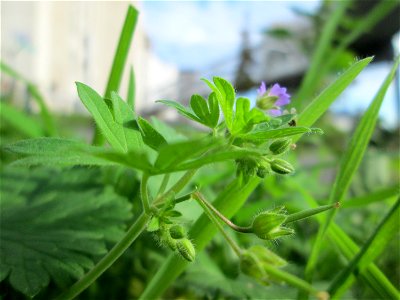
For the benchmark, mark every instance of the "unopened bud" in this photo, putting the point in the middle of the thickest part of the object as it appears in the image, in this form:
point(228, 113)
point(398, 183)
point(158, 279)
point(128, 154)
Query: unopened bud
point(281, 166)
point(177, 232)
point(280, 146)
point(266, 102)
point(253, 263)
point(263, 169)
point(186, 249)
point(268, 226)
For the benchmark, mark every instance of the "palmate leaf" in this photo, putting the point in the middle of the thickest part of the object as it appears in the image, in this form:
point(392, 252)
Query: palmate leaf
point(54, 223)
point(278, 133)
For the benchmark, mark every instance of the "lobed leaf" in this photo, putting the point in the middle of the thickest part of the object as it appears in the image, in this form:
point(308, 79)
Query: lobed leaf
point(151, 136)
point(60, 204)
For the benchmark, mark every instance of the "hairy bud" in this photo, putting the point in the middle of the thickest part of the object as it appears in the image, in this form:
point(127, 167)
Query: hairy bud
point(280, 146)
point(186, 249)
point(268, 225)
point(177, 232)
point(281, 166)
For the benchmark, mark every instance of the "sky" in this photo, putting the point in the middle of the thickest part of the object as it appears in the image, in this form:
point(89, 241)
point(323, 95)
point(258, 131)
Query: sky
point(194, 35)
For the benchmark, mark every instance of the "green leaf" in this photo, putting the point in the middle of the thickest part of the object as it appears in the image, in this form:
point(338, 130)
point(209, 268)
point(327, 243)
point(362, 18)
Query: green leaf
point(374, 246)
point(379, 195)
point(126, 118)
point(63, 152)
point(154, 224)
point(103, 117)
point(151, 137)
point(47, 225)
point(200, 108)
point(350, 162)
point(214, 110)
point(278, 133)
point(181, 109)
point(173, 154)
point(21, 121)
point(225, 94)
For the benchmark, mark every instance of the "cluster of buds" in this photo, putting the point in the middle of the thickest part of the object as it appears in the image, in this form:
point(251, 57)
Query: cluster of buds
point(171, 234)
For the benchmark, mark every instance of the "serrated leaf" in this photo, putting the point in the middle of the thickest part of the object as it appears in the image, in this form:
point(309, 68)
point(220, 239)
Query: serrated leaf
point(150, 135)
point(225, 94)
point(63, 152)
point(49, 229)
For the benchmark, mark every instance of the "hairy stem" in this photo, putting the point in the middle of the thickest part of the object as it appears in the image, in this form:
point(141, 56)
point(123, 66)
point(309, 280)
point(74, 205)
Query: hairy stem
point(228, 222)
point(106, 262)
point(144, 194)
point(197, 196)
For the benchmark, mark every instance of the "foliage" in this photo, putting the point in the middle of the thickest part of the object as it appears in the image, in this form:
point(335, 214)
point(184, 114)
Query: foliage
point(65, 203)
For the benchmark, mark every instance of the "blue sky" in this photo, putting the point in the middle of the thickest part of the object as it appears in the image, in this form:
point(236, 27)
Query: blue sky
point(194, 35)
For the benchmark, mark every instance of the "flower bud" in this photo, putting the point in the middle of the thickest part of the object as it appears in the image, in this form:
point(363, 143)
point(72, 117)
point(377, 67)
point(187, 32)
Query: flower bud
point(281, 166)
point(186, 249)
point(268, 226)
point(177, 232)
point(254, 260)
point(166, 239)
point(266, 102)
point(247, 167)
point(280, 146)
point(263, 169)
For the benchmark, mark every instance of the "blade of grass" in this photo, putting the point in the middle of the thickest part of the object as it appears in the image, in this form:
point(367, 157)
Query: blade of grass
point(20, 121)
point(372, 275)
point(349, 164)
point(131, 89)
point(319, 55)
point(372, 248)
point(324, 100)
point(120, 57)
point(376, 196)
point(48, 121)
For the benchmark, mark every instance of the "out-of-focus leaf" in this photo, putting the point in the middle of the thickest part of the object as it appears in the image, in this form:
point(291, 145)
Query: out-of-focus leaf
point(278, 133)
point(130, 99)
point(151, 137)
point(47, 226)
point(181, 109)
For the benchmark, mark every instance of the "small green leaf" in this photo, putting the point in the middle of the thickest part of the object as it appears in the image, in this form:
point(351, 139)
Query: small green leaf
point(102, 116)
point(199, 107)
point(151, 137)
point(225, 94)
point(214, 110)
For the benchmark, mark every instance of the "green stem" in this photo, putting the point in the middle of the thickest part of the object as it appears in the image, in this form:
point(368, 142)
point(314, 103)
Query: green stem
point(200, 199)
point(144, 194)
point(106, 262)
point(164, 184)
point(310, 212)
point(221, 216)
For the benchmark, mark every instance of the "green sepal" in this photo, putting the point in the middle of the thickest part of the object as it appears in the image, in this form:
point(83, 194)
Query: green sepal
point(154, 225)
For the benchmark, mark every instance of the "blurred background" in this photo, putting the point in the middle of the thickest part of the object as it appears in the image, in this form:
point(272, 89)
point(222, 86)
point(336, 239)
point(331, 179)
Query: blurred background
point(54, 44)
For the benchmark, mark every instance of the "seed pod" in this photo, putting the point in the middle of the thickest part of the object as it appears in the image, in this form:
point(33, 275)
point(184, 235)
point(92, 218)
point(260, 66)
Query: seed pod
point(186, 249)
point(266, 102)
point(266, 223)
point(281, 166)
point(166, 239)
point(177, 232)
point(280, 146)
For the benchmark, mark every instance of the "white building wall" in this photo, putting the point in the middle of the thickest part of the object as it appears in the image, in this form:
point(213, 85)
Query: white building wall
point(54, 44)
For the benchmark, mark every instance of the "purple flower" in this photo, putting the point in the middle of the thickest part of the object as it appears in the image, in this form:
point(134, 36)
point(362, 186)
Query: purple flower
point(272, 99)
